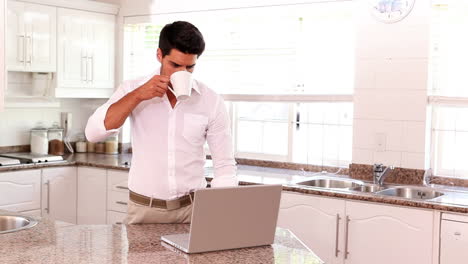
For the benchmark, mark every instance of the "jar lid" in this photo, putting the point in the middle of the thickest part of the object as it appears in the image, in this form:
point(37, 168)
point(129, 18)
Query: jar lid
point(55, 127)
point(39, 127)
point(80, 137)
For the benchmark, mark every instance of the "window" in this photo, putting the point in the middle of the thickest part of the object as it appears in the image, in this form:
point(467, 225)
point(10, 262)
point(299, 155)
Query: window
point(448, 92)
point(287, 72)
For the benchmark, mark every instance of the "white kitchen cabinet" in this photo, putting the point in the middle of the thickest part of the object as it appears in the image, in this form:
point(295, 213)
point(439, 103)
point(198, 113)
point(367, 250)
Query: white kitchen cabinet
point(20, 190)
point(86, 44)
point(92, 195)
point(117, 191)
point(387, 234)
point(453, 239)
point(115, 217)
point(369, 233)
point(59, 193)
point(32, 213)
point(316, 221)
point(31, 37)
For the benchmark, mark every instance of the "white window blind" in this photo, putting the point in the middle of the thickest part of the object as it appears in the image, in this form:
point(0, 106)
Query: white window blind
point(304, 50)
point(449, 89)
point(450, 52)
point(297, 49)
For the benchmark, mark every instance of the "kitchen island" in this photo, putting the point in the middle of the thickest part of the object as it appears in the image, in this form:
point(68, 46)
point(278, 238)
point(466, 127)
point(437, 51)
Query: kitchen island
point(57, 242)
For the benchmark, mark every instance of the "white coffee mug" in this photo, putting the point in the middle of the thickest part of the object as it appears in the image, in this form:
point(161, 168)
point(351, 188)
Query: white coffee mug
point(181, 84)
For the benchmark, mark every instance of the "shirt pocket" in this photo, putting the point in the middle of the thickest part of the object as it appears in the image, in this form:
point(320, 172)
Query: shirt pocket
point(195, 128)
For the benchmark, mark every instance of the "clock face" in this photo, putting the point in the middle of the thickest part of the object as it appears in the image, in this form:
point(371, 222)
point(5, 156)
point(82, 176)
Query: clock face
point(390, 11)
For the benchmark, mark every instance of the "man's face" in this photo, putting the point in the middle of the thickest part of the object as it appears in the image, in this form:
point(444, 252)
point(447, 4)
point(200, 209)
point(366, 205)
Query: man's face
point(176, 61)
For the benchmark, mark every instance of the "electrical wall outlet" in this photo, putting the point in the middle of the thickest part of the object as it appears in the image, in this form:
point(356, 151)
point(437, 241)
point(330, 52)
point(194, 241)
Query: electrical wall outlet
point(380, 142)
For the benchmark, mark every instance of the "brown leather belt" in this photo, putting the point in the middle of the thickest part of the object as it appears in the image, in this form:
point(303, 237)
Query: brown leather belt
point(164, 204)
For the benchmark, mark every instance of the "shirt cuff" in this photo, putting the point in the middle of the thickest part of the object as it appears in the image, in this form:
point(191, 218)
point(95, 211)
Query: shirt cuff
point(95, 129)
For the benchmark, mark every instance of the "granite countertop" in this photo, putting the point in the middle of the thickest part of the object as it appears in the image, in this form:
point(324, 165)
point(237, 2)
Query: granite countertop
point(456, 199)
point(55, 242)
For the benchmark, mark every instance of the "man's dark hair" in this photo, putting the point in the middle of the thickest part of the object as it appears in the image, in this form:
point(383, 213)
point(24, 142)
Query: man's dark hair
point(182, 36)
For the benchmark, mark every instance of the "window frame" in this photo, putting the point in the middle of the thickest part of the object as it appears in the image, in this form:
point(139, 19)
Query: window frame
point(434, 102)
point(288, 98)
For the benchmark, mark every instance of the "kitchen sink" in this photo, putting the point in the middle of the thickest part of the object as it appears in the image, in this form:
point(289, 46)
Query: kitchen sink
point(411, 193)
point(372, 188)
point(331, 183)
point(10, 223)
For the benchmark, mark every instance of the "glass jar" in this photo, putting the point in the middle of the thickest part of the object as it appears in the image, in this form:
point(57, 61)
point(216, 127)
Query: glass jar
point(81, 143)
point(55, 135)
point(39, 141)
point(91, 146)
point(112, 144)
point(100, 147)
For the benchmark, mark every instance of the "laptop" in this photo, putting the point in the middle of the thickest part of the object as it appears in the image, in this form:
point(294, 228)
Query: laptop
point(230, 218)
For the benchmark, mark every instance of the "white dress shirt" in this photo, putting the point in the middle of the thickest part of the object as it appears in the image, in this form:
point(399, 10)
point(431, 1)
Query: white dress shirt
point(168, 155)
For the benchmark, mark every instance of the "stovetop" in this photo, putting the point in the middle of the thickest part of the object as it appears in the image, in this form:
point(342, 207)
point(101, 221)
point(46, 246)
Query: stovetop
point(9, 162)
point(28, 158)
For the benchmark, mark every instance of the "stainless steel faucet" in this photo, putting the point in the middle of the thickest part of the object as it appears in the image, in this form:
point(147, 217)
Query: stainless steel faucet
point(427, 178)
point(380, 173)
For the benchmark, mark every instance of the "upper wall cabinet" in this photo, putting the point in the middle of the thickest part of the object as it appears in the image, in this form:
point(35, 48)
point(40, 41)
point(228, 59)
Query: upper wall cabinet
point(31, 37)
point(86, 44)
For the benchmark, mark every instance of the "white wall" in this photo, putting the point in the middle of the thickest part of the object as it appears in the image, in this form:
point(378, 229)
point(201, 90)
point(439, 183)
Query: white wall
point(391, 88)
point(16, 123)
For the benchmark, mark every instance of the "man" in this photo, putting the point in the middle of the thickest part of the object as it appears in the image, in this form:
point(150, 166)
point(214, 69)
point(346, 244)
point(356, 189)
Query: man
point(168, 135)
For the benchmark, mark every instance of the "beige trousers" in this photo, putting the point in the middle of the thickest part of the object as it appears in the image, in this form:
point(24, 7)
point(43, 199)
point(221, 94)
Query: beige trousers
point(141, 214)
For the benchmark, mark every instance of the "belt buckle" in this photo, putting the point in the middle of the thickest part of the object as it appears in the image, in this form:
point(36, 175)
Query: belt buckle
point(173, 204)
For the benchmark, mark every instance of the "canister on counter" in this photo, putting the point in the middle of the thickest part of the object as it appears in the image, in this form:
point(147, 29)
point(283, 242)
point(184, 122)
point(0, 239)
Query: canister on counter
point(91, 147)
point(55, 135)
point(39, 140)
point(100, 147)
point(112, 144)
point(81, 143)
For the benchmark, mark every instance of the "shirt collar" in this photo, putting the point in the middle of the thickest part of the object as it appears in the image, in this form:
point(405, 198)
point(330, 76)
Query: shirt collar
point(194, 83)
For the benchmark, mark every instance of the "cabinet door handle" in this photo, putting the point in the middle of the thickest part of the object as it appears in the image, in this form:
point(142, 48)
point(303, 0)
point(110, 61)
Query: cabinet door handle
point(92, 68)
point(121, 187)
point(21, 51)
point(32, 49)
point(47, 209)
point(88, 68)
point(85, 71)
point(338, 218)
point(346, 237)
point(123, 203)
point(29, 49)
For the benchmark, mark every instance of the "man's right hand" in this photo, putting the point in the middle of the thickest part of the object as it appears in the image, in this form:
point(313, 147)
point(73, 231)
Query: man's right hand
point(155, 87)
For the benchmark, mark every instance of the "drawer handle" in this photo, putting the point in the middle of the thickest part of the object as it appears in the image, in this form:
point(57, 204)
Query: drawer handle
point(121, 187)
point(457, 233)
point(118, 223)
point(123, 203)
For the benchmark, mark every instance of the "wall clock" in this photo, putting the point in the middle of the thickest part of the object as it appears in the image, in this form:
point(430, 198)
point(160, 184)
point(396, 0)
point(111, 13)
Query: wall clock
point(390, 11)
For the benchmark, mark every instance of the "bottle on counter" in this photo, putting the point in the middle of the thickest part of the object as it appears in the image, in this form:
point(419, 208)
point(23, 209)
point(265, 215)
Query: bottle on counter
point(112, 144)
point(39, 141)
point(55, 135)
point(81, 145)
